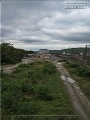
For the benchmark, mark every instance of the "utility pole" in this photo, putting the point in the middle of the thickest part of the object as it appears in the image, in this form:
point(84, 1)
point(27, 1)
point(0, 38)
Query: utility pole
point(87, 53)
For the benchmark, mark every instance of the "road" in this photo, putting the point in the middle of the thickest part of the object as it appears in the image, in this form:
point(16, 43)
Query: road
point(80, 102)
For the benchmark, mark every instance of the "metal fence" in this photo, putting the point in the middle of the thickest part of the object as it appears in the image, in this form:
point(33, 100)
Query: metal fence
point(44, 117)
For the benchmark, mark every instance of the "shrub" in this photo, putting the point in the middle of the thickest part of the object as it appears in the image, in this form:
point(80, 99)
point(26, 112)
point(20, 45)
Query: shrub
point(87, 72)
point(74, 65)
point(7, 99)
point(26, 87)
point(49, 69)
point(84, 72)
point(44, 93)
point(37, 73)
point(31, 88)
point(26, 98)
point(67, 62)
point(27, 108)
point(2, 74)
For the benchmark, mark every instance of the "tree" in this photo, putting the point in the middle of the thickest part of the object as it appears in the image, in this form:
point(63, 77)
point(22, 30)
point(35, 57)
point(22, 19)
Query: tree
point(9, 54)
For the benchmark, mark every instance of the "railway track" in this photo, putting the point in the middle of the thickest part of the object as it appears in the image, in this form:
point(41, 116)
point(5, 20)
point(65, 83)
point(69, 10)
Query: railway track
point(81, 61)
point(76, 59)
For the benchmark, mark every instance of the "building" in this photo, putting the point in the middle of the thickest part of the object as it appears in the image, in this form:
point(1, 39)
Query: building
point(44, 54)
point(43, 51)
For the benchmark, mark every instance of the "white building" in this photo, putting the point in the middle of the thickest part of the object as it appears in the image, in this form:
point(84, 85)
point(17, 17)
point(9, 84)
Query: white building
point(43, 51)
point(44, 54)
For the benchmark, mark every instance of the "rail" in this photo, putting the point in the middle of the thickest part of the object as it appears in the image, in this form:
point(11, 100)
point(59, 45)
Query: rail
point(81, 61)
point(45, 117)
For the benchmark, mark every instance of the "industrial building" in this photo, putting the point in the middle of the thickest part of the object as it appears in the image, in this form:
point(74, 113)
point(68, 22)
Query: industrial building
point(43, 51)
point(44, 54)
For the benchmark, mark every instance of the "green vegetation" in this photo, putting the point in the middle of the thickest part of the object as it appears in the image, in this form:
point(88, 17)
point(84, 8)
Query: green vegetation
point(34, 88)
point(11, 55)
point(81, 75)
point(69, 50)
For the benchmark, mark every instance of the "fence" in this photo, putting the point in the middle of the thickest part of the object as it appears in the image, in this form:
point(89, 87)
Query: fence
point(44, 117)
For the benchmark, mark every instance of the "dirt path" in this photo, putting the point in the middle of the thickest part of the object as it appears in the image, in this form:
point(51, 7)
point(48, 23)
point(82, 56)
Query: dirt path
point(11, 69)
point(80, 102)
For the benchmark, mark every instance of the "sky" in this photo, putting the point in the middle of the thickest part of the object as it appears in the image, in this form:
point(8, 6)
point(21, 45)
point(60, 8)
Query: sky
point(44, 24)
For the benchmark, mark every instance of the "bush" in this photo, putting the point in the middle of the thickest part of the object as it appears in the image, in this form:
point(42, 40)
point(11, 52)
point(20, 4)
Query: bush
point(26, 87)
point(67, 62)
point(7, 99)
point(44, 93)
point(87, 72)
point(84, 72)
point(49, 69)
point(35, 72)
point(27, 108)
point(35, 75)
point(74, 65)
point(31, 88)
point(2, 74)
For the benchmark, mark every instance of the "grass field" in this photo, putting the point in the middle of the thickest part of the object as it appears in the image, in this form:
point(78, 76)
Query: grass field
point(81, 74)
point(34, 89)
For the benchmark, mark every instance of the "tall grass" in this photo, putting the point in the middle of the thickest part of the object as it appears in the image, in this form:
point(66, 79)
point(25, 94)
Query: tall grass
point(34, 89)
point(81, 74)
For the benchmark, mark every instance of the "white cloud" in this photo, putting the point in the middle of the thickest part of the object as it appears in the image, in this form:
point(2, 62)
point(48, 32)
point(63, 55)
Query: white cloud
point(44, 24)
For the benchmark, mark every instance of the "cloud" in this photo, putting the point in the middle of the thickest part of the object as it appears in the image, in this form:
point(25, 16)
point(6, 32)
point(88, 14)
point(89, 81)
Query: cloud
point(44, 24)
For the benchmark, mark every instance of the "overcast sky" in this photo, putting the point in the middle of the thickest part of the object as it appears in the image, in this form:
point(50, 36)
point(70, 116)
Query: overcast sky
point(32, 25)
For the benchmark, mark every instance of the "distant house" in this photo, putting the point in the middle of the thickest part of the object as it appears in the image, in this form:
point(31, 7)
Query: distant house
point(44, 53)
